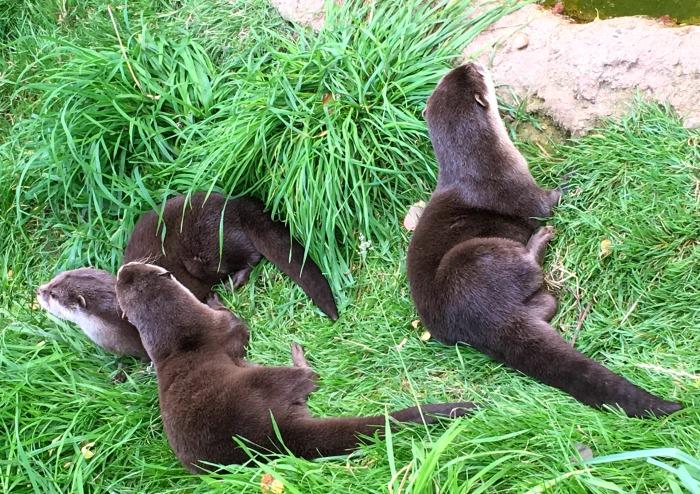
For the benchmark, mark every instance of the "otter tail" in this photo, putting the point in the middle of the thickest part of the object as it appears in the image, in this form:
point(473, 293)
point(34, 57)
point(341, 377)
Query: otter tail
point(310, 437)
point(272, 240)
point(542, 353)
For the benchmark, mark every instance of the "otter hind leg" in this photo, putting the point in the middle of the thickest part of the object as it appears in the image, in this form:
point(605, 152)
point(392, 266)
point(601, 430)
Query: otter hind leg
point(298, 357)
point(537, 245)
point(240, 277)
point(542, 305)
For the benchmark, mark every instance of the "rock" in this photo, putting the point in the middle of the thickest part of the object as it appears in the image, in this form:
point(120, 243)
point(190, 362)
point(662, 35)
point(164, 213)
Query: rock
point(305, 12)
point(578, 73)
point(692, 122)
point(520, 41)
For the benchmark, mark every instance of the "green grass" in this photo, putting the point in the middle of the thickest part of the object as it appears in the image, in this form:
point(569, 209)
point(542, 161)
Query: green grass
point(83, 151)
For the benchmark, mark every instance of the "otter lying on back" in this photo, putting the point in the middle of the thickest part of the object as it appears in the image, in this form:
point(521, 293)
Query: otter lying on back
point(474, 262)
point(209, 394)
point(194, 252)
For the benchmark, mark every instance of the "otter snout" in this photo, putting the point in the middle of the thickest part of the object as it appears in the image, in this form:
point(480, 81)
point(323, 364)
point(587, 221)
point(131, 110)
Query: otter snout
point(42, 296)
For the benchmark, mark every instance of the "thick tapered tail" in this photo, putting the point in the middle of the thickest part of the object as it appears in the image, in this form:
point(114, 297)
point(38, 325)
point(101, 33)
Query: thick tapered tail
point(540, 352)
point(272, 240)
point(310, 437)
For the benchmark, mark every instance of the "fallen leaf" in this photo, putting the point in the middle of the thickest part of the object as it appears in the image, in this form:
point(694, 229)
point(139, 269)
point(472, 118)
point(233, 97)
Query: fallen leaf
point(68, 464)
point(402, 344)
point(425, 336)
point(10, 274)
point(270, 485)
point(605, 248)
point(410, 222)
point(558, 8)
point(86, 451)
point(41, 343)
point(35, 305)
point(54, 441)
point(327, 98)
point(415, 323)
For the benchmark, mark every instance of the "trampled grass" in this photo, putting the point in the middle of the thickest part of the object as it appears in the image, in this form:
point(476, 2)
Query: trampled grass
point(88, 150)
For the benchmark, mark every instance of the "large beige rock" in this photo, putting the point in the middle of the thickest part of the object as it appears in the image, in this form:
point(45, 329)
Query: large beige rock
point(577, 73)
point(304, 12)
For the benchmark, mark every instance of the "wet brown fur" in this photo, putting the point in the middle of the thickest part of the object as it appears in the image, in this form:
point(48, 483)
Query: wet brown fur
point(208, 393)
point(474, 262)
point(192, 251)
point(88, 297)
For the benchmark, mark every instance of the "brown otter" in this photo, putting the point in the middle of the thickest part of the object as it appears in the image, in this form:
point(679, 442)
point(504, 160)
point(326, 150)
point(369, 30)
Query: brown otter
point(88, 298)
point(474, 262)
point(198, 257)
point(208, 393)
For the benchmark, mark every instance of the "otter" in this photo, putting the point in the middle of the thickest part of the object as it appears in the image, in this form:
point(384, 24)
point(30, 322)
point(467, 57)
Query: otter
point(88, 298)
point(475, 260)
point(209, 393)
point(199, 257)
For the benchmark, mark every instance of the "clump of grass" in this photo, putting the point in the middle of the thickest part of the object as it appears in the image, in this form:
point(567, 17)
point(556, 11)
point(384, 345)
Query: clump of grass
point(324, 127)
point(112, 126)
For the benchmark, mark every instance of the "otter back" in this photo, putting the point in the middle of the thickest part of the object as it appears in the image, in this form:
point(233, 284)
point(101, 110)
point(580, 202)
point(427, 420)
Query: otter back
point(188, 244)
point(474, 262)
point(191, 342)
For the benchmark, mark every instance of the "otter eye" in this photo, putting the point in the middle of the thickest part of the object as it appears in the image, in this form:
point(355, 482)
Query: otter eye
point(166, 274)
point(81, 301)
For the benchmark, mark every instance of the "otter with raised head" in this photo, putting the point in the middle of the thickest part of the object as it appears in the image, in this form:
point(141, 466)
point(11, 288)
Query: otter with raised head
point(88, 298)
point(199, 257)
point(208, 393)
point(474, 262)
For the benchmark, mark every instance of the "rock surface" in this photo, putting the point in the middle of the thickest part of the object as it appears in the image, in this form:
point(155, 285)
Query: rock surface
point(577, 73)
point(304, 12)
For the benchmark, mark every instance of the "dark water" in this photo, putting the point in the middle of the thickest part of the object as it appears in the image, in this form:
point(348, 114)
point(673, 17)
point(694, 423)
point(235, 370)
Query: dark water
point(682, 11)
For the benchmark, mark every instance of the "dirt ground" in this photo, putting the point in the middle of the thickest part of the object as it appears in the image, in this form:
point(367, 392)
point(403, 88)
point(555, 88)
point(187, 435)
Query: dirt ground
point(577, 73)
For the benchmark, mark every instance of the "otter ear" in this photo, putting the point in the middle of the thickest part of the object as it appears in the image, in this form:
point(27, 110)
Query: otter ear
point(81, 301)
point(481, 100)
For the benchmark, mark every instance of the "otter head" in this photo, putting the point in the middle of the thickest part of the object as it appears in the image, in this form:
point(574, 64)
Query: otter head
point(87, 297)
point(71, 295)
point(170, 319)
point(466, 90)
point(466, 131)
